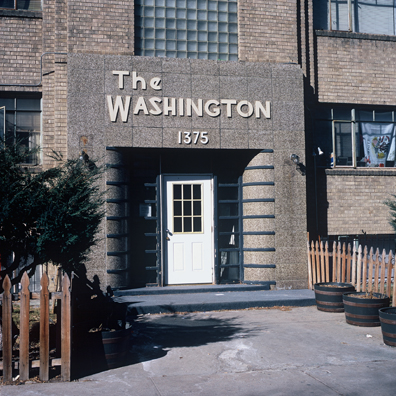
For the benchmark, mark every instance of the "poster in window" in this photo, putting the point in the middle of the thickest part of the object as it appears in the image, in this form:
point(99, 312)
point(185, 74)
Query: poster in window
point(378, 142)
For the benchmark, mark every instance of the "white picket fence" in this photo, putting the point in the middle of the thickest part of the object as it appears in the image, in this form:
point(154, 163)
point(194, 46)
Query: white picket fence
point(367, 270)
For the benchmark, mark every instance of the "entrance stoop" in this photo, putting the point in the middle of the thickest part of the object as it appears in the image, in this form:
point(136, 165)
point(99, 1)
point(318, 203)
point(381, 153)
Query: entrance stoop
point(205, 298)
point(190, 289)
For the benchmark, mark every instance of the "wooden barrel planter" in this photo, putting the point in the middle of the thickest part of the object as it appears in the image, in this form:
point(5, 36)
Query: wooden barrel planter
point(115, 345)
point(328, 295)
point(388, 325)
point(361, 310)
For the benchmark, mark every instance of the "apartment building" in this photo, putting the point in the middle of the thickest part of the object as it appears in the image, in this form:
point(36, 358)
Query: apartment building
point(351, 106)
point(229, 128)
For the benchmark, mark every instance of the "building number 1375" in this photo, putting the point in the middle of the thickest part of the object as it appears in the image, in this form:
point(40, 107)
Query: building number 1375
point(194, 137)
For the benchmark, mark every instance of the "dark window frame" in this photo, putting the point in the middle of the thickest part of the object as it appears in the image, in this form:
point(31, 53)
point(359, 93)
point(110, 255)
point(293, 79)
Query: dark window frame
point(361, 130)
point(353, 16)
point(21, 5)
point(13, 132)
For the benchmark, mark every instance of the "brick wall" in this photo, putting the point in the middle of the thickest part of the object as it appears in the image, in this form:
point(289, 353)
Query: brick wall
point(351, 69)
point(54, 79)
point(25, 37)
point(268, 31)
point(19, 62)
point(356, 201)
point(104, 27)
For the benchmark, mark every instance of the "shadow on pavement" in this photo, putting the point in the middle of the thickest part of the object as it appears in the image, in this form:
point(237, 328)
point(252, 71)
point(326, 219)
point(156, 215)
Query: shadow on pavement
point(152, 337)
point(106, 335)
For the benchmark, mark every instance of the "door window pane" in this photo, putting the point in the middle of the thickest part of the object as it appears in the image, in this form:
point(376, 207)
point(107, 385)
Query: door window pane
point(177, 191)
point(197, 224)
point(187, 224)
point(177, 224)
point(177, 209)
point(187, 208)
point(197, 208)
point(187, 191)
point(197, 191)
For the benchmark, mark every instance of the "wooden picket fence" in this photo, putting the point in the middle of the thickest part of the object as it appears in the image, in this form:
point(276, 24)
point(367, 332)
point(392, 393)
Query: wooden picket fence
point(23, 364)
point(367, 270)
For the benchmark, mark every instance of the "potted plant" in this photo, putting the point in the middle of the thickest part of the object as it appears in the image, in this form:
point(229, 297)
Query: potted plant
point(387, 316)
point(362, 308)
point(114, 332)
point(328, 295)
point(100, 331)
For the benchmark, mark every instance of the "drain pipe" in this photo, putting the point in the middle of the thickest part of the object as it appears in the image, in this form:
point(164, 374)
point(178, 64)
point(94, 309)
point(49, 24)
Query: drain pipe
point(41, 72)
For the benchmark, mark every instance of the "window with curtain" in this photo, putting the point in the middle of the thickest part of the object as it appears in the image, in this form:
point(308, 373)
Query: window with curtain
point(29, 5)
point(360, 16)
point(359, 137)
point(200, 29)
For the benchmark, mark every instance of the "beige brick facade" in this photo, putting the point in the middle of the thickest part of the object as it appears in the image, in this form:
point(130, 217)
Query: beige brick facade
point(339, 68)
point(356, 70)
point(23, 61)
point(20, 60)
point(104, 27)
point(268, 31)
point(356, 201)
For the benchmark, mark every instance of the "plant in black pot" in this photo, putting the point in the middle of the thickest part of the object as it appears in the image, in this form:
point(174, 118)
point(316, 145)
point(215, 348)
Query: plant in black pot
point(100, 331)
point(387, 317)
point(362, 308)
point(328, 295)
point(113, 329)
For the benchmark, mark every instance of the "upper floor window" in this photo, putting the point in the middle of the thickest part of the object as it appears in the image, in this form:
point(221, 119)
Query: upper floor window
point(22, 122)
point(29, 5)
point(199, 29)
point(359, 137)
point(361, 16)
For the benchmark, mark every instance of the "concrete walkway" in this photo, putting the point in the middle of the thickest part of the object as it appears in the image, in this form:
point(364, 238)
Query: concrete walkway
point(251, 352)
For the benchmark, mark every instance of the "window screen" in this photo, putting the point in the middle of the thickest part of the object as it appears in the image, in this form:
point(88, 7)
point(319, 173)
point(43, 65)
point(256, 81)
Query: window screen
point(199, 29)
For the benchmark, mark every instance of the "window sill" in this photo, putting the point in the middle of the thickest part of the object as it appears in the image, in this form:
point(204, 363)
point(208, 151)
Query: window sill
point(21, 14)
point(361, 172)
point(351, 35)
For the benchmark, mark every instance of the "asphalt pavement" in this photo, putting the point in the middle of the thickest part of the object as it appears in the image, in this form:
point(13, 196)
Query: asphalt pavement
point(248, 352)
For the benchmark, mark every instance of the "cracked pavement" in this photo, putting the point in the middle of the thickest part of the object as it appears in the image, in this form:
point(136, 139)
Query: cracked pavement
point(287, 351)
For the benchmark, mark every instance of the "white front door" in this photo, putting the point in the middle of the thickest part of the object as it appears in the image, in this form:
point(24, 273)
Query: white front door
point(188, 229)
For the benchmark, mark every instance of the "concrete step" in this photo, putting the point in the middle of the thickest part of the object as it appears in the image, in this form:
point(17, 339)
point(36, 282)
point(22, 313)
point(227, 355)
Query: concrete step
point(216, 300)
point(191, 289)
